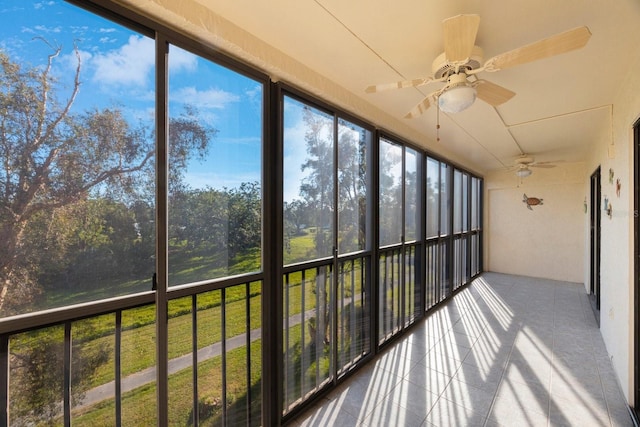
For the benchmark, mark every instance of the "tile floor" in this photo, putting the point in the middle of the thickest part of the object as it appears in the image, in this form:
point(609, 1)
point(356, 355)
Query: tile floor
point(506, 351)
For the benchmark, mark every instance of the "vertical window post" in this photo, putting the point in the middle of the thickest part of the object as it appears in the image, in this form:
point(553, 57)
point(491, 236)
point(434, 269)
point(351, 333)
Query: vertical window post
point(162, 271)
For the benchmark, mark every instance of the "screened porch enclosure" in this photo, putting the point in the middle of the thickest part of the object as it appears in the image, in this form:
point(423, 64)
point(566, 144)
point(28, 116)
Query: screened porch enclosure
point(191, 243)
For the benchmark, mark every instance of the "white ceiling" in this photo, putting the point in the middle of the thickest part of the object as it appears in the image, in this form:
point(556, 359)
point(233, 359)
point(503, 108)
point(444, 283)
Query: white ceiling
point(562, 105)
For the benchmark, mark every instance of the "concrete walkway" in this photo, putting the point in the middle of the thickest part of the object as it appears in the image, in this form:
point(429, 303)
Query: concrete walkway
point(146, 376)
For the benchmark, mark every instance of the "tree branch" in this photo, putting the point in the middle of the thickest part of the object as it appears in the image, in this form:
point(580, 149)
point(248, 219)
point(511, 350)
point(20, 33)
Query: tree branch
point(65, 112)
point(102, 177)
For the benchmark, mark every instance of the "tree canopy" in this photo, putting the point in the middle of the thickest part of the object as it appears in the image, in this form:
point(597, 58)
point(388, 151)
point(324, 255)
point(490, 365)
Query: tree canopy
point(54, 159)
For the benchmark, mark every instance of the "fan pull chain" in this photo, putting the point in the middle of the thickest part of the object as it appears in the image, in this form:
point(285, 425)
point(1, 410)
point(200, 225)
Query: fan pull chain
point(438, 119)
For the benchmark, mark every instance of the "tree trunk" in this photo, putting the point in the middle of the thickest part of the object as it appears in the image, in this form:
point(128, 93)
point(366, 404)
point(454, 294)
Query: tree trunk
point(3, 293)
point(11, 234)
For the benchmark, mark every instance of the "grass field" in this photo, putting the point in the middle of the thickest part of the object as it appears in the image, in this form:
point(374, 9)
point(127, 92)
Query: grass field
point(139, 405)
point(138, 346)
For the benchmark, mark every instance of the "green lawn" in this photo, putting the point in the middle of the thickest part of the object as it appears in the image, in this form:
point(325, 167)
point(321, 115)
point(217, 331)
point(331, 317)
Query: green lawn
point(138, 343)
point(299, 248)
point(139, 405)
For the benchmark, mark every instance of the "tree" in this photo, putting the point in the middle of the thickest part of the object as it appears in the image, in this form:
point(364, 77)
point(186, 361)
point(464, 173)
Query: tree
point(38, 370)
point(52, 158)
point(352, 189)
point(245, 213)
point(90, 242)
point(295, 216)
point(216, 226)
point(317, 187)
point(411, 208)
point(390, 193)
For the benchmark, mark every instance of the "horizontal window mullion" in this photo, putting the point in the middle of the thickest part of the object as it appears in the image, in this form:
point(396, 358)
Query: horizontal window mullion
point(180, 291)
point(40, 319)
point(307, 265)
point(354, 255)
point(388, 248)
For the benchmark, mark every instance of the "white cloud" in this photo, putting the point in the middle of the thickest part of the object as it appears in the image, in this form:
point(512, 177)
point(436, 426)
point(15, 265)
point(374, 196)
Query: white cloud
point(41, 5)
point(250, 141)
point(69, 63)
point(181, 60)
point(75, 29)
point(211, 98)
point(139, 115)
point(133, 63)
point(12, 9)
point(220, 179)
point(40, 29)
point(393, 155)
point(255, 93)
point(254, 96)
point(85, 58)
point(130, 65)
point(45, 29)
point(295, 151)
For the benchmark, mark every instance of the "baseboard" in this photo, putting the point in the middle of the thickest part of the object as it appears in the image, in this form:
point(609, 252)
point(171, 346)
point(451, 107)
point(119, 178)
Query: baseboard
point(594, 308)
point(634, 416)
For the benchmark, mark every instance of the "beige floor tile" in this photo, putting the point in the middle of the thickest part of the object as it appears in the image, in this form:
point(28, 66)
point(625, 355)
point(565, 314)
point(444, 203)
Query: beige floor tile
point(507, 351)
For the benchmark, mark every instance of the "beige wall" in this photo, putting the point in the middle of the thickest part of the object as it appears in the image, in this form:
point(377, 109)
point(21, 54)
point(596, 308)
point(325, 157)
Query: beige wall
point(546, 241)
point(617, 293)
point(552, 241)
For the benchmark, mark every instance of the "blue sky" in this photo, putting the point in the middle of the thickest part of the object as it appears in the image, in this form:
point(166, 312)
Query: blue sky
point(117, 69)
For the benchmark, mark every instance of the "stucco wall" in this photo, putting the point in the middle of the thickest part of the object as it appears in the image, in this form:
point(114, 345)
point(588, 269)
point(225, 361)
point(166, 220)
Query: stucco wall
point(617, 292)
point(552, 241)
point(546, 241)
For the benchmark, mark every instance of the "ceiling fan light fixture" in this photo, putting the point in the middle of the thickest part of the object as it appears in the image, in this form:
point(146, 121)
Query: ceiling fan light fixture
point(457, 99)
point(523, 172)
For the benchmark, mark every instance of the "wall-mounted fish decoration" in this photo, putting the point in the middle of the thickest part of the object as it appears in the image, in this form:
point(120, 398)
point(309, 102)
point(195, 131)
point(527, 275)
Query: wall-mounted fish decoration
point(531, 201)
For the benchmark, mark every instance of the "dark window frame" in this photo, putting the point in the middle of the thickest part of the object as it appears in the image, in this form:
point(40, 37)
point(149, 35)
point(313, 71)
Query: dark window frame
point(272, 270)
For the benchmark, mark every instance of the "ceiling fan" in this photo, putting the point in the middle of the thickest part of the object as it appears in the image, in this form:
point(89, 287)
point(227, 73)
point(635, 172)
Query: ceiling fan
point(462, 59)
point(524, 163)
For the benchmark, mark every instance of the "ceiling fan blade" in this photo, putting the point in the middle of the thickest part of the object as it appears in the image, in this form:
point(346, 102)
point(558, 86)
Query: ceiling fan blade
point(460, 36)
point(542, 165)
point(491, 93)
point(399, 85)
point(554, 45)
point(420, 108)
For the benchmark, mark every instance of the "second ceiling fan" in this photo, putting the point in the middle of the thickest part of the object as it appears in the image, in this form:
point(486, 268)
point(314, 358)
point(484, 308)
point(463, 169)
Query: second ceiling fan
point(524, 163)
point(462, 59)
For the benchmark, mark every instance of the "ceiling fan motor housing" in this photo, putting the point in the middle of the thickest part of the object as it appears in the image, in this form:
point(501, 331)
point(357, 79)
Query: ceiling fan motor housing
point(442, 67)
point(462, 58)
point(524, 160)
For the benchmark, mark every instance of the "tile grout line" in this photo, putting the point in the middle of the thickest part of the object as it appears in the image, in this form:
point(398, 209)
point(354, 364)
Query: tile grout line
point(504, 369)
point(585, 313)
point(553, 357)
point(566, 334)
point(604, 390)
